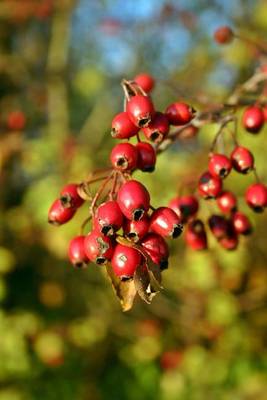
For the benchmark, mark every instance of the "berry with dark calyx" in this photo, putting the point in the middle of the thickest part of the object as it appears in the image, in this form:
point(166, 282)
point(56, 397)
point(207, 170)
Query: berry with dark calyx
point(219, 226)
point(157, 249)
point(158, 128)
point(227, 202)
point(195, 235)
point(123, 157)
point(69, 196)
point(133, 199)
point(242, 159)
point(229, 242)
point(125, 260)
point(122, 127)
point(108, 218)
point(241, 223)
point(146, 157)
point(256, 197)
point(58, 214)
point(140, 110)
point(99, 249)
point(76, 252)
point(223, 35)
point(179, 113)
point(136, 230)
point(253, 119)
point(219, 165)
point(145, 81)
point(209, 187)
point(184, 206)
point(165, 222)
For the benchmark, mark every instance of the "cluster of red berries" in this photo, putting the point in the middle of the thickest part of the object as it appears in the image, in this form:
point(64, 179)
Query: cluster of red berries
point(126, 230)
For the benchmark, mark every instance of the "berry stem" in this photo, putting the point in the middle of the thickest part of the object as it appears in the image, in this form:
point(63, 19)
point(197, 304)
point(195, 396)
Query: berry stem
point(253, 43)
point(85, 222)
point(114, 184)
point(100, 191)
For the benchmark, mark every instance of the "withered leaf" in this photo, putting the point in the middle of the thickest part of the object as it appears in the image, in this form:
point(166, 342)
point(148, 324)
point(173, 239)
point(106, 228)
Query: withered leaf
point(142, 282)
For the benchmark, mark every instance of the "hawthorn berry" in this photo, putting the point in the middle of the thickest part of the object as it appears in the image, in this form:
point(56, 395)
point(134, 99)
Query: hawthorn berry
point(146, 157)
point(133, 199)
point(219, 165)
point(98, 248)
point(158, 128)
point(16, 120)
point(123, 157)
point(229, 242)
point(58, 214)
point(195, 235)
point(125, 260)
point(165, 222)
point(242, 159)
point(253, 119)
point(219, 226)
point(76, 252)
point(157, 249)
point(122, 127)
point(256, 196)
point(69, 196)
point(140, 110)
point(209, 186)
point(108, 218)
point(223, 35)
point(145, 81)
point(136, 230)
point(184, 206)
point(227, 202)
point(241, 223)
point(179, 113)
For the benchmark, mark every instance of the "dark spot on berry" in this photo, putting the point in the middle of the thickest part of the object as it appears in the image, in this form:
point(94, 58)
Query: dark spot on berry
point(113, 132)
point(107, 230)
point(164, 264)
point(148, 169)
point(133, 236)
point(143, 122)
point(122, 162)
point(100, 260)
point(155, 136)
point(223, 172)
point(138, 214)
point(66, 201)
point(177, 230)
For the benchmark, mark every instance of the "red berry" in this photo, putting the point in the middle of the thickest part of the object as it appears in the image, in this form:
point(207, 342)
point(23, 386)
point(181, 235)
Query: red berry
point(256, 196)
point(209, 186)
point(195, 235)
point(157, 249)
point(16, 120)
point(171, 359)
point(140, 110)
point(123, 157)
point(242, 159)
point(108, 218)
point(76, 252)
point(229, 242)
point(184, 206)
point(136, 230)
point(146, 159)
point(98, 249)
point(219, 165)
point(69, 196)
point(227, 202)
point(188, 132)
point(158, 128)
point(58, 214)
point(253, 119)
point(125, 260)
point(241, 223)
point(179, 113)
point(145, 81)
point(122, 127)
point(223, 35)
point(133, 199)
point(219, 226)
point(165, 222)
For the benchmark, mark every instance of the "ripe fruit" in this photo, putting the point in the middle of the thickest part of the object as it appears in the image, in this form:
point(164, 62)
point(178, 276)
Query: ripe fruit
point(253, 119)
point(219, 165)
point(123, 157)
point(69, 196)
point(219, 226)
point(136, 230)
point(256, 196)
point(242, 159)
point(122, 127)
point(241, 223)
point(133, 199)
point(146, 157)
point(108, 218)
point(157, 249)
point(165, 222)
point(16, 120)
point(125, 260)
point(184, 206)
point(158, 129)
point(58, 214)
point(229, 242)
point(98, 249)
point(145, 81)
point(179, 113)
point(227, 202)
point(76, 252)
point(209, 186)
point(195, 235)
point(140, 110)
point(223, 35)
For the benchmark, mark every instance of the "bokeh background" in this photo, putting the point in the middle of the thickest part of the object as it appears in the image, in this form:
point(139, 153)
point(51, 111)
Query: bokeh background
point(62, 333)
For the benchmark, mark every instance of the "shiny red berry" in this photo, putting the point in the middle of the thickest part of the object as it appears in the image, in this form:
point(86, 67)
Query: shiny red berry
point(253, 119)
point(146, 158)
point(256, 196)
point(242, 159)
point(76, 252)
point(158, 128)
point(219, 226)
point(219, 165)
point(195, 235)
point(108, 218)
point(184, 206)
point(140, 110)
point(98, 248)
point(133, 199)
point(209, 186)
point(123, 157)
point(122, 127)
point(58, 214)
point(136, 230)
point(69, 196)
point(165, 222)
point(223, 35)
point(125, 260)
point(179, 113)
point(241, 223)
point(157, 249)
point(227, 202)
point(145, 81)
